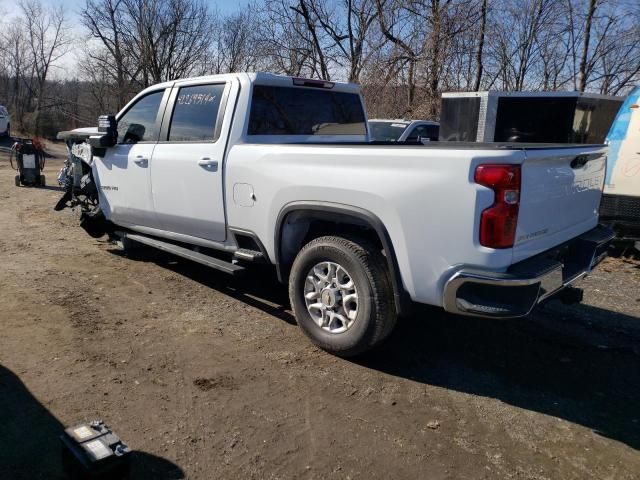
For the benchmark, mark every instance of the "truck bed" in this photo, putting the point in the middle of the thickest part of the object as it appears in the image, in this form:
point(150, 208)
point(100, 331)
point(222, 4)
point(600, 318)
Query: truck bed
point(451, 145)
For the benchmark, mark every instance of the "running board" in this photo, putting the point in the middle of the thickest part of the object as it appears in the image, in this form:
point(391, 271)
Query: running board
point(187, 253)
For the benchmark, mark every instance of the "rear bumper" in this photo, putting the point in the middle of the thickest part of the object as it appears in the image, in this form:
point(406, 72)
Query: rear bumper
point(517, 291)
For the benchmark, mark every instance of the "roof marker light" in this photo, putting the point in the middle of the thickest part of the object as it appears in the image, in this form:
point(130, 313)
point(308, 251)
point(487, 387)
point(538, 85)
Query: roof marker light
point(307, 82)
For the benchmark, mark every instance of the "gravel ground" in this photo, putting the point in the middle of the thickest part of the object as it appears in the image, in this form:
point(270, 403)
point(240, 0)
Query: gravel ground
point(208, 377)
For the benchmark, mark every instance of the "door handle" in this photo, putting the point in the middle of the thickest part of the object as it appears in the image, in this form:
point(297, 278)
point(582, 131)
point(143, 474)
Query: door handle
point(208, 163)
point(140, 160)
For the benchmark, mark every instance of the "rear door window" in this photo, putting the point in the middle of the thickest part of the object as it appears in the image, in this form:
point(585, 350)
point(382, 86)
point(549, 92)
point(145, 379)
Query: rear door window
point(301, 111)
point(195, 114)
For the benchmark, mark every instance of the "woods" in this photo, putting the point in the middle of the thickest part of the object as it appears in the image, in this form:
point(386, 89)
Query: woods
point(61, 69)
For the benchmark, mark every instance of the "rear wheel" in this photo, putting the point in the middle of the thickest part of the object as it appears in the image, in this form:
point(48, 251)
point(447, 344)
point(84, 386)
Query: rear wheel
point(43, 181)
point(341, 294)
point(17, 180)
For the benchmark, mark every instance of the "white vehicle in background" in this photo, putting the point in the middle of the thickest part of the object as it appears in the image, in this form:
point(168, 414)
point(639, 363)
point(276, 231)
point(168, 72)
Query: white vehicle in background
point(5, 122)
point(403, 131)
point(245, 168)
point(621, 200)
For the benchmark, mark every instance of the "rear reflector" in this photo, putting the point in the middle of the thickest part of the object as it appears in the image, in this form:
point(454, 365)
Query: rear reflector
point(498, 222)
point(307, 82)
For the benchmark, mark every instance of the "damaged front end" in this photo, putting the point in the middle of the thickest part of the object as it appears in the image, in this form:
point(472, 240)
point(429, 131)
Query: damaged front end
point(76, 178)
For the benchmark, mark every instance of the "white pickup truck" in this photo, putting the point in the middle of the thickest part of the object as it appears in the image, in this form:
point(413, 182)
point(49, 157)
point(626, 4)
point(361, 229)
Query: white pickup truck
point(230, 170)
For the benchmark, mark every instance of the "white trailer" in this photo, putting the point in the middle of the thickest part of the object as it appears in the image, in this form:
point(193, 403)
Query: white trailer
point(621, 201)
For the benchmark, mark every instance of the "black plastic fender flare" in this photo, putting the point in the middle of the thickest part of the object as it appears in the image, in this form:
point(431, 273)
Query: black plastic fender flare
point(341, 212)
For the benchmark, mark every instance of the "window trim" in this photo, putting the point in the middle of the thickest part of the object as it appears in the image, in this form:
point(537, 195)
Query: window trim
point(171, 104)
point(159, 115)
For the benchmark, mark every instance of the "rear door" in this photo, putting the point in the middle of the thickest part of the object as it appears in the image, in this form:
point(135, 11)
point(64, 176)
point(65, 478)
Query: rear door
point(560, 196)
point(123, 173)
point(187, 165)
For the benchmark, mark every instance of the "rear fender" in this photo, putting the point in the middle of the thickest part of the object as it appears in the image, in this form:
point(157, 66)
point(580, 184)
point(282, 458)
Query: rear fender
point(293, 224)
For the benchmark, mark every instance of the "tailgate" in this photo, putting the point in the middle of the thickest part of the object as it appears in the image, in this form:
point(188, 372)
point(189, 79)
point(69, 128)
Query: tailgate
point(560, 196)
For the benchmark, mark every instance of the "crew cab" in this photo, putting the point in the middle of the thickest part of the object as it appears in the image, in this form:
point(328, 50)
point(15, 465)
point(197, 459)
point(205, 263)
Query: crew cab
point(236, 169)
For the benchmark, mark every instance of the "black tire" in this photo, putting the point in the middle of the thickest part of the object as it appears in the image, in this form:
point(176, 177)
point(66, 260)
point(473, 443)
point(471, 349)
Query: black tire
point(43, 181)
point(94, 222)
point(376, 314)
point(17, 180)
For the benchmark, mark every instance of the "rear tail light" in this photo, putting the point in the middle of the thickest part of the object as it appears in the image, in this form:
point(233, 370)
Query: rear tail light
point(498, 222)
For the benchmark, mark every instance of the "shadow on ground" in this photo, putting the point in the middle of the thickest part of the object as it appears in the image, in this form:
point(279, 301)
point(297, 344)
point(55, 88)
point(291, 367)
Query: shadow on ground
point(29, 445)
point(259, 287)
point(578, 363)
point(550, 363)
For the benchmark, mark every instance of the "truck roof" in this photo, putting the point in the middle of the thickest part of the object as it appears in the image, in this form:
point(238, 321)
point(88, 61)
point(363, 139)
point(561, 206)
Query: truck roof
point(263, 78)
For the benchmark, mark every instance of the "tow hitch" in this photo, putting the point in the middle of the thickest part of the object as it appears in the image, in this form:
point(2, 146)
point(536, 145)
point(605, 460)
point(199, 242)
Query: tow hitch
point(571, 295)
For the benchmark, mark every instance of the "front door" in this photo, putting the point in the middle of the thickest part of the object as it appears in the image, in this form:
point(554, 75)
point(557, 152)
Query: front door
point(123, 174)
point(187, 164)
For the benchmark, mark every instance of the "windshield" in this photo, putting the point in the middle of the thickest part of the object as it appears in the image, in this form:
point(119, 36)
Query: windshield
point(386, 131)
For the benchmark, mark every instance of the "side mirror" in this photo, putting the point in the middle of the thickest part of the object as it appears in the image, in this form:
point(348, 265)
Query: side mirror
point(108, 128)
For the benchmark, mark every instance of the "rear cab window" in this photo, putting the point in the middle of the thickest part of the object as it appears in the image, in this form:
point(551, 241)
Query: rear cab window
point(386, 131)
point(422, 132)
point(279, 110)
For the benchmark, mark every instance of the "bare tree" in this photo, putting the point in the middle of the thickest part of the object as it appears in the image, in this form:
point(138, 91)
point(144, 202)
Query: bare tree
point(104, 21)
point(582, 81)
point(49, 39)
point(302, 9)
point(168, 38)
point(479, 53)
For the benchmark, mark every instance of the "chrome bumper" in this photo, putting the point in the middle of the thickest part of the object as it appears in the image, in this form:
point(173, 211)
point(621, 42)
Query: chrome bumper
point(517, 291)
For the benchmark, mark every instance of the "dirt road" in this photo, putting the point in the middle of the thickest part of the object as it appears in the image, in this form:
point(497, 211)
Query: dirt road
point(208, 377)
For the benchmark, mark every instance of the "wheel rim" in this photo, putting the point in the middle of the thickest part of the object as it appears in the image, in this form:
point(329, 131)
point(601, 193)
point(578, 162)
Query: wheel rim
point(331, 297)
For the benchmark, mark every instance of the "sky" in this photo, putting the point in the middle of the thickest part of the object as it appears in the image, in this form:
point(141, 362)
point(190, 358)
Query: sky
point(73, 7)
point(224, 6)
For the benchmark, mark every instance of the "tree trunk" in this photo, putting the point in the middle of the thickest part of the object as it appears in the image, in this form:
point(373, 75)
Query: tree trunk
point(479, 66)
point(585, 46)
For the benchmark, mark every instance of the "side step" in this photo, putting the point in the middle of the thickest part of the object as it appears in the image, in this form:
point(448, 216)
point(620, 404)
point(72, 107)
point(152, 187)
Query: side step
point(248, 255)
point(187, 253)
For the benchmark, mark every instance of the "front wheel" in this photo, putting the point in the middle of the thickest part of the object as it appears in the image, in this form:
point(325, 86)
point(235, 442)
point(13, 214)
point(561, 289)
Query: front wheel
point(341, 295)
point(93, 221)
